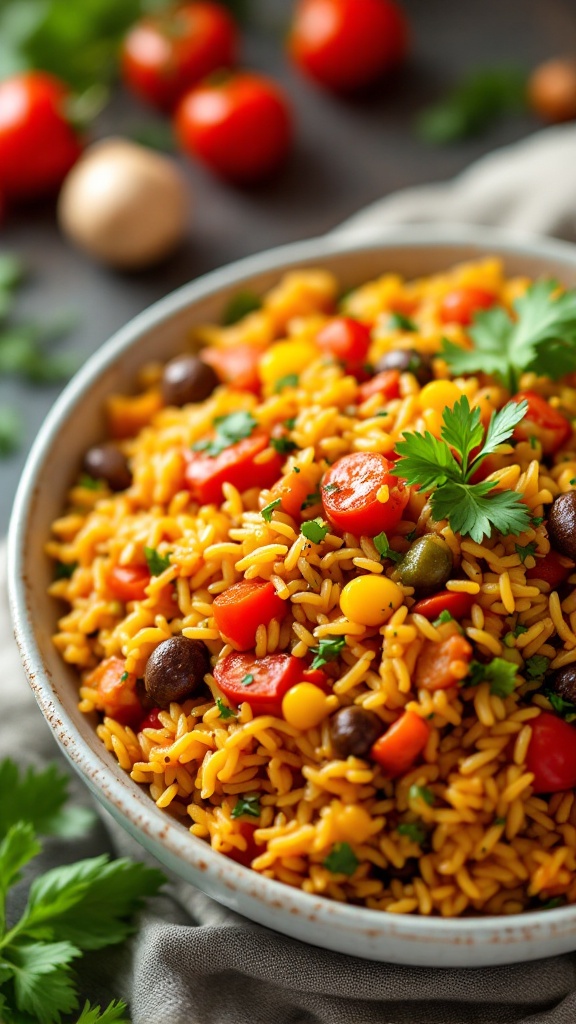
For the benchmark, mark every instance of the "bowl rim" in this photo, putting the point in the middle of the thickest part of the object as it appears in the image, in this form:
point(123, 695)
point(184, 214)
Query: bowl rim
point(119, 796)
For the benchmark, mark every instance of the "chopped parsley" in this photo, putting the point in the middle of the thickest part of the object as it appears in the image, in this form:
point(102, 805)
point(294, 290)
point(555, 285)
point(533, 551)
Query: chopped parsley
point(413, 830)
point(239, 306)
point(444, 616)
point(225, 711)
point(283, 445)
point(64, 570)
point(421, 793)
point(268, 509)
point(556, 901)
point(383, 548)
point(228, 431)
point(499, 673)
point(519, 629)
point(342, 860)
point(290, 423)
point(537, 521)
point(472, 510)
point(536, 666)
point(524, 552)
point(90, 483)
point(247, 805)
point(247, 679)
point(327, 650)
point(123, 677)
point(310, 500)
point(499, 821)
point(289, 381)
point(401, 322)
point(330, 488)
point(156, 562)
point(565, 708)
point(315, 530)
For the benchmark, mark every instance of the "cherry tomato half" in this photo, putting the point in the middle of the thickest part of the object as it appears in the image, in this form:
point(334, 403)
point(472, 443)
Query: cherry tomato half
point(351, 490)
point(551, 569)
point(548, 425)
point(116, 691)
point(460, 305)
point(262, 682)
point(205, 474)
point(37, 144)
point(386, 384)
point(244, 606)
point(241, 126)
point(347, 44)
point(347, 340)
point(552, 754)
point(129, 582)
point(166, 54)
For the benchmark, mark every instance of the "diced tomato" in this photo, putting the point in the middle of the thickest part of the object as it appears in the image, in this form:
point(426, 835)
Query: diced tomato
point(318, 678)
point(548, 425)
point(252, 850)
point(152, 720)
point(460, 305)
point(459, 605)
point(347, 340)
point(128, 582)
point(293, 489)
point(552, 754)
point(244, 606)
point(386, 384)
point(116, 691)
point(434, 663)
point(351, 490)
point(271, 677)
point(236, 465)
point(237, 366)
point(551, 569)
point(399, 747)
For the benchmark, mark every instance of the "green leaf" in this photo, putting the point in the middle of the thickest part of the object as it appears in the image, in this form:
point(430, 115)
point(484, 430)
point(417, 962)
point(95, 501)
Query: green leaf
point(89, 903)
point(249, 805)
point(64, 570)
point(11, 268)
point(18, 847)
point(490, 331)
point(415, 832)
point(383, 548)
point(342, 860)
point(156, 562)
point(421, 793)
point(247, 680)
point(42, 980)
point(475, 509)
point(482, 97)
point(229, 430)
point(157, 135)
point(327, 650)
point(310, 500)
point(11, 430)
point(525, 552)
point(462, 429)
point(499, 673)
point(536, 666)
point(315, 530)
point(268, 509)
point(501, 428)
point(289, 381)
point(283, 445)
point(40, 796)
point(115, 1013)
point(401, 322)
point(239, 306)
point(444, 616)
point(562, 707)
point(89, 483)
point(225, 711)
point(425, 460)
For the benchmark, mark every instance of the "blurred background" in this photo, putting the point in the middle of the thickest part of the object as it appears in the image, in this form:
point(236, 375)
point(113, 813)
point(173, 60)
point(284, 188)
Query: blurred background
point(470, 79)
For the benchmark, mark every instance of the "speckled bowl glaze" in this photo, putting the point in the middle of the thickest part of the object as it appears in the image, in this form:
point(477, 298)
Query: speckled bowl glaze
point(75, 422)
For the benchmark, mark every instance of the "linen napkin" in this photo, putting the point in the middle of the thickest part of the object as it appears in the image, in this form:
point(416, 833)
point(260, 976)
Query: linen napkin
point(194, 962)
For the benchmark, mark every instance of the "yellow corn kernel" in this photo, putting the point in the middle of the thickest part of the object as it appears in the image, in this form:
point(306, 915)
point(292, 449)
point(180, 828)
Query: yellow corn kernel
point(439, 395)
point(370, 600)
point(284, 358)
point(352, 824)
point(304, 706)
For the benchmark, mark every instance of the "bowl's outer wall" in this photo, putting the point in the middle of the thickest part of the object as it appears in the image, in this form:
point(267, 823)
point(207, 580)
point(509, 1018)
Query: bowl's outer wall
point(76, 422)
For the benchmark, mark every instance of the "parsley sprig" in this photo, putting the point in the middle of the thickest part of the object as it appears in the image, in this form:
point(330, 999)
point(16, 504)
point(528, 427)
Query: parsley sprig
point(541, 338)
point(501, 675)
point(228, 430)
point(445, 465)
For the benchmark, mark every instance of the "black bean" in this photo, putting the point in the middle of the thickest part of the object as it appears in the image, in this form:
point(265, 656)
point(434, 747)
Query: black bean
point(407, 360)
point(563, 683)
point(353, 731)
point(106, 462)
point(187, 379)
point(562, 524)
point(175, 670)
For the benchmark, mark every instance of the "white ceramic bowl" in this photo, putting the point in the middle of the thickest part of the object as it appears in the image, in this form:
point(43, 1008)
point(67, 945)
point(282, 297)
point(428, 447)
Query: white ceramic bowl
point(75, 422)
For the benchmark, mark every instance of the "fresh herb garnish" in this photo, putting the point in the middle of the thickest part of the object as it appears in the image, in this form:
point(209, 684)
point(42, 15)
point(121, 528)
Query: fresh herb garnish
point(536, 521)
point(268, 509)
point(124, 677)
point(524, 552)
point(479, 99)
point(401, 322)
point(115, 1013)
point(315, 530)
point(229, 429)
point(156, 563)
point(341, 860)
point(330, 488)
point(247, 679)
point(89, 483)
point(64, 570)
point(444, 616)
point(239, 306)
point(283, 445)
point(556, 901)
point(519, 629)
point(327, 650)
point(289, 381)
point(499, 821)
point(471, 509)
point(290, 423)
point(225, 711)
point(541, 338)
point(384, 550)
point(562, 707)
point(156, 135)
point(413, 831)
point(247, 805)
point(536, 666)
point(11, 429)
point(421, 793)
point(310, 500)
point(499, 673)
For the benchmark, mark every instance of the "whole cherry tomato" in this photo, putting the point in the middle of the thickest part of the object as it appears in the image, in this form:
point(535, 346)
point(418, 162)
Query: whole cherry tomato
point(347, 44)
point(240, 126)
point(347, 340)
point(165, 54)
point(38, 146)
point(542, 421)
point(552, 754)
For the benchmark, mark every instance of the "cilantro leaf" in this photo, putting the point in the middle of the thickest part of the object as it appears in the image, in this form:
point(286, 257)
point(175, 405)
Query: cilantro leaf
point(283, 445)
point(525, 552)
point(421, 793)
point(536, 666)
point(474, 509)
point(115, 1013)
point(90, 483)
point(413, 831)
point(40, 796)
point(228, 430)
point(445, 616)
point(425, 460)
point(239, 305)
point(330, 488)
point(401, 322)
point(342, 860)
point(225, 711)
point(289, 381)
point(18, 847)
point(499, 673)
point(383, 548)
point(500, 428)
point(247, 805)
point(267, 511)
point(315, 530)
point(562, 707)
point(462, 429)
point(311, 500)
point(156, 562)
point(327, 650)
point(42, 980)
point(64, 570)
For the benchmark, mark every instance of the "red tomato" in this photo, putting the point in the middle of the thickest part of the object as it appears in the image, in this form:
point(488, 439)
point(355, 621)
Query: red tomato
point(397, 750)
point(318, 678)
point(241, 127)
point(347, 44)
point(548, 425)
point(129, 582)
point(350, 494)
point(386, 384)
point(204, 474)
point(252, 850)
point(236, 366)
point(552, 754)
point(244, 606)
point(37, 144)
point(347, 340)
point(459, 605)
point(460, 305)
point(151, 721)
point(165, 54)
point(272, 677)
point(116, 691)
point(551, 569)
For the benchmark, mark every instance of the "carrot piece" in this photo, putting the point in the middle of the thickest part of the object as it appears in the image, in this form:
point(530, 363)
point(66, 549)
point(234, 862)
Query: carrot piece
point(293, 489)
point(435, 664)
point(244, 606)
point(205, 474)
point(116, 691)
point(237, 367)
point(127, 414)
point(397, 750)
